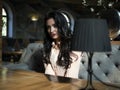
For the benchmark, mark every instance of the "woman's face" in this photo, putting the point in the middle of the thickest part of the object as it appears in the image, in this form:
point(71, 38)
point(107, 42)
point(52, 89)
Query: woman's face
point(52, 29)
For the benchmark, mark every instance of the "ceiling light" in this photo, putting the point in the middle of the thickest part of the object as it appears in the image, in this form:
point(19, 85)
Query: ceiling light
point(34, 18)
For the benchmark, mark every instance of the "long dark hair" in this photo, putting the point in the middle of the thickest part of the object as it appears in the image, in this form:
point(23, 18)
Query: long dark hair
point(64, 31)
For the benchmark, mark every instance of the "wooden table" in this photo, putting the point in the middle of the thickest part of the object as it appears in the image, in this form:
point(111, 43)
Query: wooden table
point(29, 80)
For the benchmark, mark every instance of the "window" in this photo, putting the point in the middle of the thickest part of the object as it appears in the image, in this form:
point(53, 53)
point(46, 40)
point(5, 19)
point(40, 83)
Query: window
point(7, 20)
point(4, 22)
point(69, 18)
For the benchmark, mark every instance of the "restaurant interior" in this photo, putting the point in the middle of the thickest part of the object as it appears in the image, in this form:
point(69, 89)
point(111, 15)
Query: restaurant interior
point(22, 33)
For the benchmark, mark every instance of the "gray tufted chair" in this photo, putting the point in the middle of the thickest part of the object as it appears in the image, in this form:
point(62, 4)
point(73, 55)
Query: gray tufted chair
point(106, 66)
point(31, 48)
point(25, 60)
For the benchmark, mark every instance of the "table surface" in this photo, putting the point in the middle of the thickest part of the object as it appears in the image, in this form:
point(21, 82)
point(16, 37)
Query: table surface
point(12, 52)
point(30, 80)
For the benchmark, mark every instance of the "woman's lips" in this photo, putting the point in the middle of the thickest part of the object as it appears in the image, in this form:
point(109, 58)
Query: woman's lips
point(52, 34)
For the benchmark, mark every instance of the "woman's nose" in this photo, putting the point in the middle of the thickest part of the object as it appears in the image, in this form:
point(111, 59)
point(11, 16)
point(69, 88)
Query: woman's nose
point(52, 29)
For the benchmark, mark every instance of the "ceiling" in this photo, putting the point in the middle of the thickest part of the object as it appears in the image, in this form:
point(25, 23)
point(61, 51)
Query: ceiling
point(73, 5)
point(83, 8)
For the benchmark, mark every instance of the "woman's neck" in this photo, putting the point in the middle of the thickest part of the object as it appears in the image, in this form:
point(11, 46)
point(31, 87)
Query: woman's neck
point(56, 44)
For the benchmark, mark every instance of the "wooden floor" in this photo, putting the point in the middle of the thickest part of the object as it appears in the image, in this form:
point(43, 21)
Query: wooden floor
point(29, 80)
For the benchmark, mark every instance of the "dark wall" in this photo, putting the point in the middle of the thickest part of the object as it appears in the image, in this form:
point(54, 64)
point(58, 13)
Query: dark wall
point(23, 26)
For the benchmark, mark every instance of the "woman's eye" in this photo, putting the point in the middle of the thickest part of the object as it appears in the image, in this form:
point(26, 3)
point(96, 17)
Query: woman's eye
point(48, 27)
point(55, 25)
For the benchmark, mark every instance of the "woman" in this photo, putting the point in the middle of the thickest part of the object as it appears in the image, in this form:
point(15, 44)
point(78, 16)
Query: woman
point(59, 60)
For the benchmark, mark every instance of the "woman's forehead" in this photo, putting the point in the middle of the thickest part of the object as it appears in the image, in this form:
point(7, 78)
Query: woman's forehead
point(50, 21)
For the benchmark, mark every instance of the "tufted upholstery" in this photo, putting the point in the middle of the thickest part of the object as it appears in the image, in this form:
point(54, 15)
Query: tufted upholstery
point(31, 48)
point(26, 59)
point(106, 66)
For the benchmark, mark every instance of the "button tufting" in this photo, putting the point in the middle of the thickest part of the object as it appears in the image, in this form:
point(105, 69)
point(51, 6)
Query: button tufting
point(98, 63)
point(83, 62)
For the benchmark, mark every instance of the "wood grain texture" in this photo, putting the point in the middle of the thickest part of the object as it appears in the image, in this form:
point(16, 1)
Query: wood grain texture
point(29, 80)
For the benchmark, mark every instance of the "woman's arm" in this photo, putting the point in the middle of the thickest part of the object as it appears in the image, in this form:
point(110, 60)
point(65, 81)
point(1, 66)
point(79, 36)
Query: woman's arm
point(73, 71)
